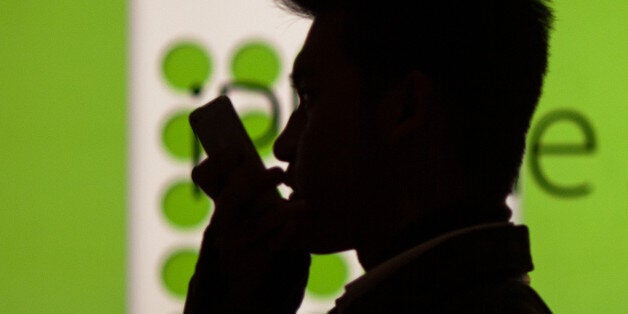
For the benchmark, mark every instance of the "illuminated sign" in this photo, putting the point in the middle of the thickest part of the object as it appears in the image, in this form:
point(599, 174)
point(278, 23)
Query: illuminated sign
point(575, 172)
point(98, 212)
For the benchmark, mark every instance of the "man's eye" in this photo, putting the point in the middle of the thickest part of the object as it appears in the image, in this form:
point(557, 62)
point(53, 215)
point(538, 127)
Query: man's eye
point(304, 96)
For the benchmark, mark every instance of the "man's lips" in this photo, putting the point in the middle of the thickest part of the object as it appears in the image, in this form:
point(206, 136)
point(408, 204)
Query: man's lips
point(294, 196)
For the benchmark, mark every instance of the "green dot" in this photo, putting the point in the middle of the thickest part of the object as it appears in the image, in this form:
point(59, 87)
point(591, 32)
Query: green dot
point(185, 206)
point(257, 125)
point(177, 271)
point(256, 62)
point(328, 275)
point(187, 67)
point(177, 136)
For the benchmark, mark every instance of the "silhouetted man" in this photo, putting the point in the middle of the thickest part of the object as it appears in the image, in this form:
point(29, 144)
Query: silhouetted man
point(408, 138)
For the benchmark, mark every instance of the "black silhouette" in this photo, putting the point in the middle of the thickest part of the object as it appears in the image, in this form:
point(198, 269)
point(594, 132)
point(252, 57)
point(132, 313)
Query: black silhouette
point(407, 139)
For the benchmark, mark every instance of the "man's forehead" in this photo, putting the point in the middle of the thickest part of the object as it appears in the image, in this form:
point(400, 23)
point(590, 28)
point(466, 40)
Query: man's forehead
point(322, 46)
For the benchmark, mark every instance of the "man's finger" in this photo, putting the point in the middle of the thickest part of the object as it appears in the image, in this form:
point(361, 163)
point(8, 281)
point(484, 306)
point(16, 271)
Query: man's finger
point(246, 194)
point(246, 183)
point(211, 174)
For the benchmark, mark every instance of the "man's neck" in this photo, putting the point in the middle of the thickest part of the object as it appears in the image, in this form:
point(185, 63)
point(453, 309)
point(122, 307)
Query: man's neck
point(425, 228)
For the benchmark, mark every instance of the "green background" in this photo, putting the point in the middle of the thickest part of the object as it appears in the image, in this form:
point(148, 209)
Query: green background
point(580, 244)
point(63, 74)
point(63, 158)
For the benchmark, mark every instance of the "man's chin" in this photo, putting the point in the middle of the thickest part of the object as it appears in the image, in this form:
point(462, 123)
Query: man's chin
point(321, 228)
point(322, 238)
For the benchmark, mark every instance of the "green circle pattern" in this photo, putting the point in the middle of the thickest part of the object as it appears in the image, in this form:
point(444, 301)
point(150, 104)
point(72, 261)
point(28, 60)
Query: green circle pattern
point(177, 271)
point(185, 206)
point(187, 66)
point(256, 62)
point(178, 137)
point(257, 123)
point(328, 275)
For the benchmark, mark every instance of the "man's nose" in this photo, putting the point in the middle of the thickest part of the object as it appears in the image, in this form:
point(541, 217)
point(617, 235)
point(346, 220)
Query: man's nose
point(286, 144)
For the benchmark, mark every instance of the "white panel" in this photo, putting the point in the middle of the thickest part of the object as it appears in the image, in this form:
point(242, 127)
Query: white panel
point(219, 27)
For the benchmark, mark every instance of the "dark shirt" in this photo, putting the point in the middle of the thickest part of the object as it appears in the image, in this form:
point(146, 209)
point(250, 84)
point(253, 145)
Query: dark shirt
point(473, 270)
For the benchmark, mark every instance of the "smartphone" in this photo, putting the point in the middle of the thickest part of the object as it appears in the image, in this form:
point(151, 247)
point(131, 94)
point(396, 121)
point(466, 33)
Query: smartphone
point(218, 127)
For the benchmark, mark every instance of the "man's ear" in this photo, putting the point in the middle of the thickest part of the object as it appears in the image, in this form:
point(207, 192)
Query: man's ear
point(413, 102)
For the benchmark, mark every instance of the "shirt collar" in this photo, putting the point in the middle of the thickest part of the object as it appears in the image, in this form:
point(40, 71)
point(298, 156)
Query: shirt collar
point(371, 279)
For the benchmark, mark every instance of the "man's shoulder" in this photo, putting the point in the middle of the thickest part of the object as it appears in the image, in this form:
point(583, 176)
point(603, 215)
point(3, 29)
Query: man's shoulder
point(502, 296)
point(507, 296)
point(478, 271)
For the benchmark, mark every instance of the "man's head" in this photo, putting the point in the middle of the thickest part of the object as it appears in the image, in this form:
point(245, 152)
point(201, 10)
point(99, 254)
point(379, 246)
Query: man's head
point(431, 83)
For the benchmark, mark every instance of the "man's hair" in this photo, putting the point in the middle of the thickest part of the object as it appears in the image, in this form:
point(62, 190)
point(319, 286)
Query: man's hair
point(487, 59)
